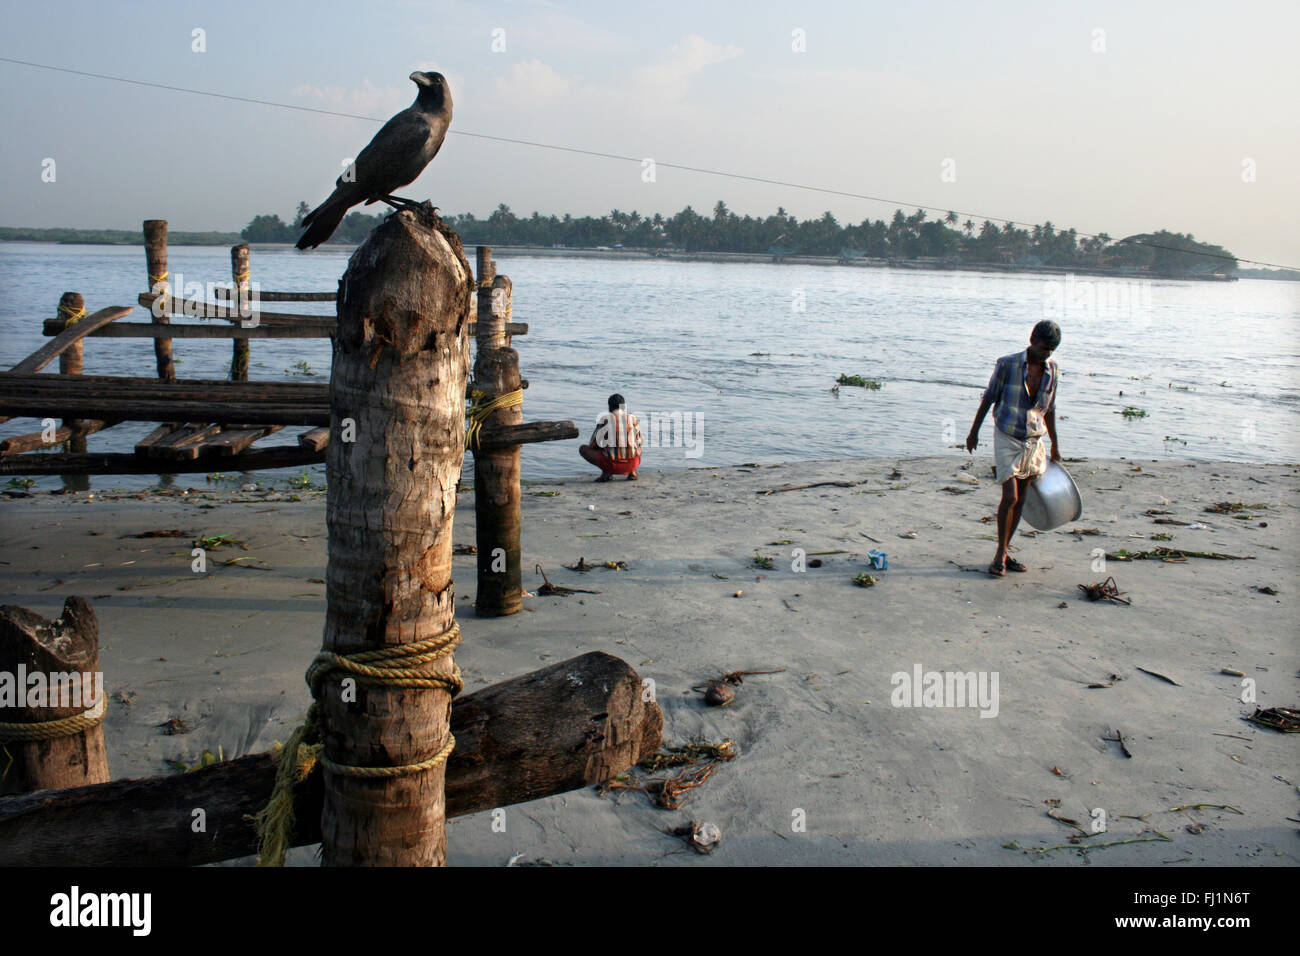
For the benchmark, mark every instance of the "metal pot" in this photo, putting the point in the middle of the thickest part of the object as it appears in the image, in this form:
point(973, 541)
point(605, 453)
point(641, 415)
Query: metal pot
point(1052, 499)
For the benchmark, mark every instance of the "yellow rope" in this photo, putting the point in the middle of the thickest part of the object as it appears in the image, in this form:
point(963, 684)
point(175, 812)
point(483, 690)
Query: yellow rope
point(403, 666)
point(72, 317)
point(54, 729)
point(241, 277)
point(153, 279)
point(481, 409)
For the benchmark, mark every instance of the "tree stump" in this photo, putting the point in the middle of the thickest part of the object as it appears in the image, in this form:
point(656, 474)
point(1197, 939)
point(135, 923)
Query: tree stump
point(397, 434)
point(30, 645)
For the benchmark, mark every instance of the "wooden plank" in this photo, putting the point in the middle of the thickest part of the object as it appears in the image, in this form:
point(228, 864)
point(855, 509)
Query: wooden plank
point(512, 328)
point(530, 737)
point(115, 463)
point(145, 330)
point(35, 440)
point(195, 309)
point(181, 442)
point(156, 409)
point(51, 350)
point(233, 441)
point(506, 436)
point(221, 292)
point(316, 439)
point(160, 432)
point(121, 385)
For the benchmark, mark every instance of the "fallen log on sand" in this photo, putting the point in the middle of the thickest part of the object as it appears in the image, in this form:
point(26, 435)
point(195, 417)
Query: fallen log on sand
point(570, 725)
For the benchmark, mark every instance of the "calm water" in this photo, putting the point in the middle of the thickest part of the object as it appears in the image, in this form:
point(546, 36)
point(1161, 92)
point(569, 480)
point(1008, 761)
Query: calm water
point(749, 353)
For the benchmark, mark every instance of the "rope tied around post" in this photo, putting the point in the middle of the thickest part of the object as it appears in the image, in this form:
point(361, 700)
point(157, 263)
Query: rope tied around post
point(242, 276)
point(71, 316)
point(53, 729)
point(405, 665)
point(482, 407)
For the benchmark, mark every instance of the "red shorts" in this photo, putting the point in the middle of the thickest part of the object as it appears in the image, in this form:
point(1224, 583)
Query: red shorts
point(616, 467)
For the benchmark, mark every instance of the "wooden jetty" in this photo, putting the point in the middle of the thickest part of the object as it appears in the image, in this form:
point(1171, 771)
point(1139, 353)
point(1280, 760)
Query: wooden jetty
point(378, 765)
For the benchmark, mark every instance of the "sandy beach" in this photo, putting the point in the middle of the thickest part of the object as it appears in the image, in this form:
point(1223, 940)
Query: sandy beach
point(829, 770)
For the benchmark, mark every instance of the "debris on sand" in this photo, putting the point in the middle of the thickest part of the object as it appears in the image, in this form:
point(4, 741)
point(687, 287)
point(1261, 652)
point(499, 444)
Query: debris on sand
point(1265, 589)
point(548, 589)
point(1119, 739)
point(1167, 680)
point(864, 580)
point(161, 533)
point(1233, 507)
point(699, 760)
point(1175, 555)
point(1285, 719)
point(582, 565)
point(702, 837)
point(718, 691)
point(1107, 590)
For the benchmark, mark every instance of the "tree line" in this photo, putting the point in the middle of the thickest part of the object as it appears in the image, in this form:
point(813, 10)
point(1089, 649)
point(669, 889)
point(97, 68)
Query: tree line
point(904, 236)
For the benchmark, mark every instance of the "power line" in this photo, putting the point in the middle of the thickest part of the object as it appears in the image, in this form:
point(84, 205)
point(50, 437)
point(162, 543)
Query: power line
point(630, 159)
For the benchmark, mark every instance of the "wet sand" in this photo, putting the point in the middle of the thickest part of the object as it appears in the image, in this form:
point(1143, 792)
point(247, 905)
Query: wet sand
point(830, 771)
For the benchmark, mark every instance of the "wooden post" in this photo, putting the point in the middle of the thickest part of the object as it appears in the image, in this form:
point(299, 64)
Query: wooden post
point(155, 257)
point(239, 266)
point(397, 440)
point(72, 362)
point(31, 645)
point(497, 516)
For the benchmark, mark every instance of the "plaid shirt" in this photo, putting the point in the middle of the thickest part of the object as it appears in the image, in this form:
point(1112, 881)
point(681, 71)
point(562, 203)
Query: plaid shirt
point(1012, 412)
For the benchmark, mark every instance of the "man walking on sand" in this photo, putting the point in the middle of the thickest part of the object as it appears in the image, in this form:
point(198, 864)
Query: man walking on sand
point(615, 446)
point(1022, 393)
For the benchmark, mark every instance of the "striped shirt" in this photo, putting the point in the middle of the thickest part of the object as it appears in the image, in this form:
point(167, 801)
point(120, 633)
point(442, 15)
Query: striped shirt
point(619, 435)
point(1008, 391)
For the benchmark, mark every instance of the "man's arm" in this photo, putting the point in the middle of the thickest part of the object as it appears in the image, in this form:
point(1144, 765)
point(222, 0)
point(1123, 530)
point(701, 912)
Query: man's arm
point(973, 439)
point(1050, 419)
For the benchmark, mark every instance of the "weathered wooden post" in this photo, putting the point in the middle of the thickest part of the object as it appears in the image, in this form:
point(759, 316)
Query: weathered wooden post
point(50, 730)
point(497, 514)
point(72, 308)
point(155, 256)
point(239, 268)
point(397, 430)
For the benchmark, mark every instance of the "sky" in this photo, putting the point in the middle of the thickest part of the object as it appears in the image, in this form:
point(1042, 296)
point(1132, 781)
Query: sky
point(1106, 117)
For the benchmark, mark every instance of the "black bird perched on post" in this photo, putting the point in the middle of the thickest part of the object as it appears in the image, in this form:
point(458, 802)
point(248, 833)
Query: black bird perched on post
point(395, 157)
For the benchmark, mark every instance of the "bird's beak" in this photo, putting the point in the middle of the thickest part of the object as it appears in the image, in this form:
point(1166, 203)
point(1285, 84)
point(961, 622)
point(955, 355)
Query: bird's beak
point(419, 79)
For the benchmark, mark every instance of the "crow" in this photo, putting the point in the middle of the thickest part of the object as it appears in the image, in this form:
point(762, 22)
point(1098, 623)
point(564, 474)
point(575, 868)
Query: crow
point(395, 157)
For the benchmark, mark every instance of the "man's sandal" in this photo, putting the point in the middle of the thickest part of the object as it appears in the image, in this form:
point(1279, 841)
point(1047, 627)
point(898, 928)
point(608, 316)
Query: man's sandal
point(997, 570)
point(1014, 565)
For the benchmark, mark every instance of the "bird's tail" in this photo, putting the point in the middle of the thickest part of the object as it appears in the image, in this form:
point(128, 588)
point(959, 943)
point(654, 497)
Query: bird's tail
point(321, 222)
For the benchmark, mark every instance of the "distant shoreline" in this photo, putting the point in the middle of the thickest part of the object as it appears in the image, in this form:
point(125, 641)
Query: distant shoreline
point(224, 239)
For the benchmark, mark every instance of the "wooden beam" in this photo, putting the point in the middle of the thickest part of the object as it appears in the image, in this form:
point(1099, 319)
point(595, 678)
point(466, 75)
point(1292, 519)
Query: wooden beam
point(195, 309)
point(512, 328)
point(222, 293)
point(51, 350)
point(316, 439)
point(143, 330)
point(36, 440)
point(506, 436)
point(570, 725)
point(119, 463)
